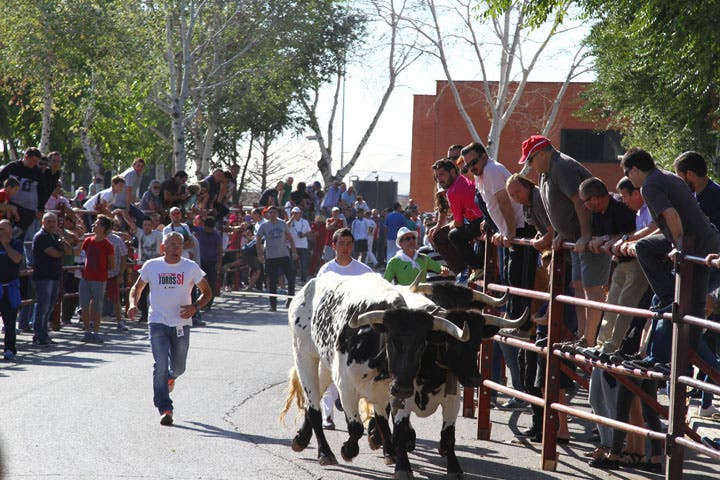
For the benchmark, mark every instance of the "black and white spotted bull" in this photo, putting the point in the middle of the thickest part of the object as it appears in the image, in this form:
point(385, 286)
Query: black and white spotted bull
point(444, 362)
point(329, 345)
point(325, 318)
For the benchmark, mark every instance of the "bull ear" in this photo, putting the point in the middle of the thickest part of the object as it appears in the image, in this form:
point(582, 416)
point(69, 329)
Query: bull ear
point(443, 325)
point(506, 322)
point(488, 300)
point(368, 318)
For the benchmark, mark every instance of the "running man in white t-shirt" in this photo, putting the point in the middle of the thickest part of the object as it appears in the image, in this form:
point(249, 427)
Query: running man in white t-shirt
point(171, 279)
point(342, 264)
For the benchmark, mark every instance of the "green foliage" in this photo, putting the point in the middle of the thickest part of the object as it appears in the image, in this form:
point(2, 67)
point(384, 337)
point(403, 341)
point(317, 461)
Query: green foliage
point(657, 64)
point(106, 62)
point(535, 12)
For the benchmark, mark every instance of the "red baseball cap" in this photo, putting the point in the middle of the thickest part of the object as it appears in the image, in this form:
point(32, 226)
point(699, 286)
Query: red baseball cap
point(532, 145)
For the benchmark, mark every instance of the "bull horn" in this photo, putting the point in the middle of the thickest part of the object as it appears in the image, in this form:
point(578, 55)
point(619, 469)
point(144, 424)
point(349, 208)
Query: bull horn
point(442, 325)
point(501, 322)
point(367, 318)
point(416, 286)
point(488, 300)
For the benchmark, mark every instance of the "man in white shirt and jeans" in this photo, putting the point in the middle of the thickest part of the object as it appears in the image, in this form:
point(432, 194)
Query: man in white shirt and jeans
point(171, 279)
point(300, 231)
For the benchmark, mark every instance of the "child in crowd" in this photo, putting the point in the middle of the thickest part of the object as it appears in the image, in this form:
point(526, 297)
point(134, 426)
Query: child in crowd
point(6, 210)
point(99, 259)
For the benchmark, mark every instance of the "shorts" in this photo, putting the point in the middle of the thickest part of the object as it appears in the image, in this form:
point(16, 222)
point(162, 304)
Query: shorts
point(361, 246)
point(592, 268)
point(112, 289)
point(91, 290)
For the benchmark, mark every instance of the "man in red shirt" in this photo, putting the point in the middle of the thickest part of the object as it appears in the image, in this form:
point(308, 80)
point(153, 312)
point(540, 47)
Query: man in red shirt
point(467, 217)
point(99, 259)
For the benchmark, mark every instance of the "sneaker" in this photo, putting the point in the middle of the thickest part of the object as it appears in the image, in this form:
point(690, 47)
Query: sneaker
point(709, 412)
point(97, 339)
point(514, 404)
point(166, 418)
point(515, 333)
point(462, 277)
point(712, 443)
point(574, 346)
point(9, 355)
point(87, 336)
point(171, 385)
point(328, 424)
point(642, 365)
point(121, 326)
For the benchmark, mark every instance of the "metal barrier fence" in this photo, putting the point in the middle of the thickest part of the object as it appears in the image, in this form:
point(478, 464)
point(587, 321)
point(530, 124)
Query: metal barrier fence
point(679, 435)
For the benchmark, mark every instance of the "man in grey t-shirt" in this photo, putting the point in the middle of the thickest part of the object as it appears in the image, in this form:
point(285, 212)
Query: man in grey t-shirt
point(273, 238)
point(560, 177)
point(126, 199)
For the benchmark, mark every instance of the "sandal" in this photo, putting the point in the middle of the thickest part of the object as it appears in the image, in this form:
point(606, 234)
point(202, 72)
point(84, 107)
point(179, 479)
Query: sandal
point(605, 463)
point(632, 460)
point(598, 452)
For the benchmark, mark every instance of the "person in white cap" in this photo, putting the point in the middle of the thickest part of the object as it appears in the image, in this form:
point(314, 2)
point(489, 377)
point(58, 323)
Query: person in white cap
point(300, 231)
point(407, 263)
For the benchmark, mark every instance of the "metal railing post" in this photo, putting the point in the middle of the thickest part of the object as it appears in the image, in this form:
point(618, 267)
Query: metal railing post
point(552, 365)
point(484, 426)
point(679, 364)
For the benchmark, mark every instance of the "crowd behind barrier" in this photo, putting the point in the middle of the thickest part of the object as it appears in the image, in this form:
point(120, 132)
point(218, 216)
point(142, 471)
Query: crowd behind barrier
point(679, 435)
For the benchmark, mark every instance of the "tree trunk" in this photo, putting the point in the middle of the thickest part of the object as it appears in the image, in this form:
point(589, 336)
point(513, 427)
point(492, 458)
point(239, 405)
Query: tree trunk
point(208, 144)
point(89, 152)
point(46, 116)
point(178, 129)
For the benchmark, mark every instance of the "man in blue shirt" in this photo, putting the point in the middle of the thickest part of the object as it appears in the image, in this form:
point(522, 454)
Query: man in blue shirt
point(394, 221)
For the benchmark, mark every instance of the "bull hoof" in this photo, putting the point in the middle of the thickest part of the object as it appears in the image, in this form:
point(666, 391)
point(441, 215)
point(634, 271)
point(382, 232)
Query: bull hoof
point(299, 445)
point(374, 443)
point(389, 460)
point(349, 451)
point(403, 475)
point(326, 460)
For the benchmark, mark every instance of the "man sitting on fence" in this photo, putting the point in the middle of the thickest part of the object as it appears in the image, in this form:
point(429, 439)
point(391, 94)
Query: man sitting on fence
point(678, 215)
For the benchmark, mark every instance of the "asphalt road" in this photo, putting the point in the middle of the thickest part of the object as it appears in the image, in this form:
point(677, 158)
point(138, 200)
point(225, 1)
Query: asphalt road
point(80, 411)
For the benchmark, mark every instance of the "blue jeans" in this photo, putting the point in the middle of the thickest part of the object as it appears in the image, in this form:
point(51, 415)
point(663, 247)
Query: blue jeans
point(704, 352)
point(46, 292)
point(170, 354)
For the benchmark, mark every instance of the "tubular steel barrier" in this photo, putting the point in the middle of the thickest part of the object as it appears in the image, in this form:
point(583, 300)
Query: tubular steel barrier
point(679, 435)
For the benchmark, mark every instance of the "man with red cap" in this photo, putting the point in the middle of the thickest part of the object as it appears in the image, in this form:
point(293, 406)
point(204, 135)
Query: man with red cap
point(560, 176)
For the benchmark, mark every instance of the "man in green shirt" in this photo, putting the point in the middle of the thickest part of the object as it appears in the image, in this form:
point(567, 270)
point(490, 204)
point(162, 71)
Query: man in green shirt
point(407, 263)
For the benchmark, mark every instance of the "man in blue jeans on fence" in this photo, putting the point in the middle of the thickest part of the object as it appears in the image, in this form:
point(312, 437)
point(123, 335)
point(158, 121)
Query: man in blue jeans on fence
point(48, 248)
point(677, 214)
point(171, 279)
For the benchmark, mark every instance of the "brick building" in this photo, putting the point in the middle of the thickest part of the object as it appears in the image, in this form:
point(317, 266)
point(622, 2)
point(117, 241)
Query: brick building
point(437, 124)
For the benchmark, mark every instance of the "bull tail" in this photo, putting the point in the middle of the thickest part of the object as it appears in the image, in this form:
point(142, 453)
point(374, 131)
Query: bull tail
point(295, 392)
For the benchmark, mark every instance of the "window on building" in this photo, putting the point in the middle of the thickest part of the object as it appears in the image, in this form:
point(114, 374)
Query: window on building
point(591, 146)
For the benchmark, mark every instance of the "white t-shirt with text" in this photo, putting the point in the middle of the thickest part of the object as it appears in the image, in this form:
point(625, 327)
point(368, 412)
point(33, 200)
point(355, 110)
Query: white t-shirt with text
point(170, 288)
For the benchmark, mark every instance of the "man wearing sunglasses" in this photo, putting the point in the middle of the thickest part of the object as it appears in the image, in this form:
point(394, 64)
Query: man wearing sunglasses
point(490, 177)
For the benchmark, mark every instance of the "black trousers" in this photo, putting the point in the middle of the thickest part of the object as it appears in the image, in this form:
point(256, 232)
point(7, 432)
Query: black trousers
point(210, 269)
point(9, 316)
point(273, 268)
point(520, 272)
point(461, 237)
point(624, 399)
